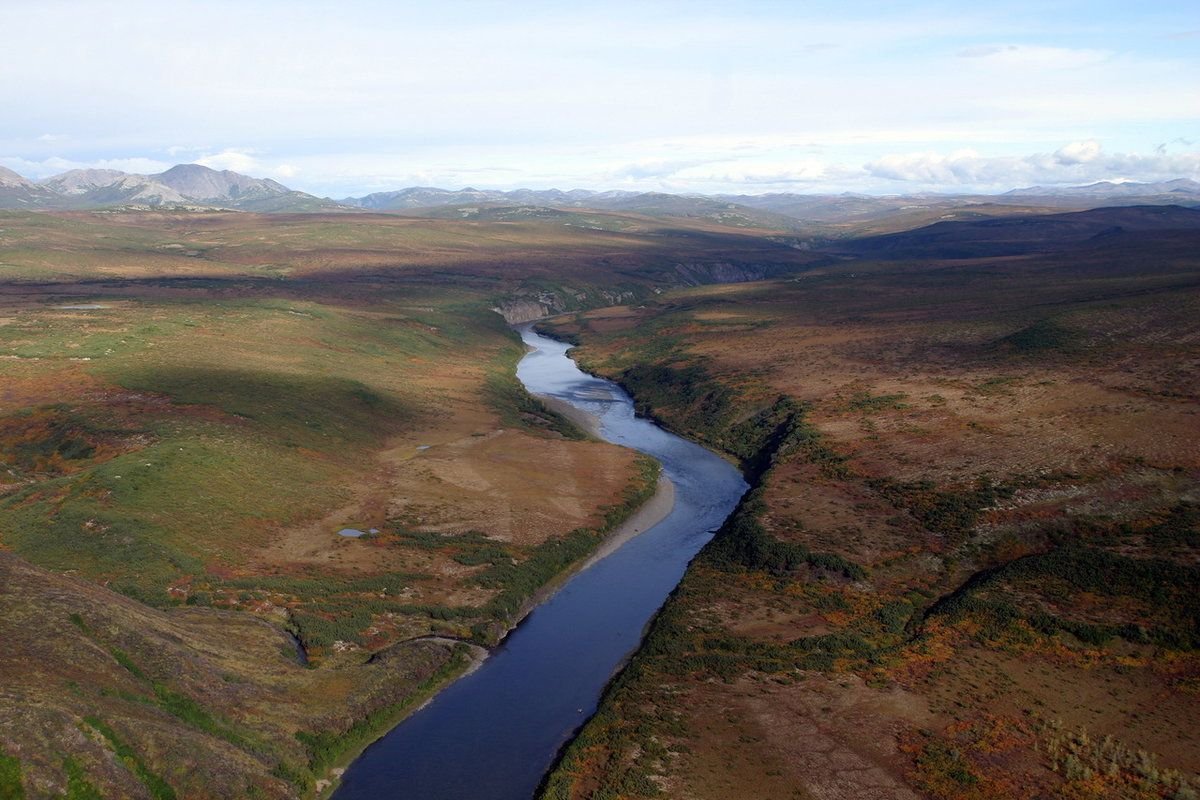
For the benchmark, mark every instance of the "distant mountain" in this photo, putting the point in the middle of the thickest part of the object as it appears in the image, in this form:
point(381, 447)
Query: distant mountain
point(82, 181)
point(1180, 188)
point(720, 210)
point(184, 184)
point(1023, 235)
point(826, 216)
point(95, 188)
point(421, 197)
point(651, 204)
point(201, 183)
point(429, 197)
point(18, 192)
point(10, 179)
point(832, 216)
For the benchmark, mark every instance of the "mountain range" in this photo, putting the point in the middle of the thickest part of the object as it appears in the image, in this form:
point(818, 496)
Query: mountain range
point(181, 185)
point(190, 185)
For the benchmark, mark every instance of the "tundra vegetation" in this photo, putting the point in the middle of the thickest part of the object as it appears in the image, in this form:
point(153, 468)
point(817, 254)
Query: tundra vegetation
point(972, 532)
point(194, 403)
point(968, 566)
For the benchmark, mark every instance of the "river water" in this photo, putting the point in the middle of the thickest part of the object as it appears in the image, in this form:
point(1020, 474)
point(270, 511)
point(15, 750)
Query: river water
point(493, 734)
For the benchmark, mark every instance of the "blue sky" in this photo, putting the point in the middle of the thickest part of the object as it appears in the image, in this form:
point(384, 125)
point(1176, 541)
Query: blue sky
point(347, 97)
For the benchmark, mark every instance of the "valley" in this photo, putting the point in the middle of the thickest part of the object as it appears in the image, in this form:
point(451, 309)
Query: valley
point(971, 532)
point(627, 401)
point(194, 404)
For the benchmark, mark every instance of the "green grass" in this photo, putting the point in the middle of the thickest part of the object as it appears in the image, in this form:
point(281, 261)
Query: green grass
point(146, 518)
point(325, 748)
point(189, 711)
point(78, 786)
point(158, 788)
point(10, 778)
point(125, 661)
point(311, 410)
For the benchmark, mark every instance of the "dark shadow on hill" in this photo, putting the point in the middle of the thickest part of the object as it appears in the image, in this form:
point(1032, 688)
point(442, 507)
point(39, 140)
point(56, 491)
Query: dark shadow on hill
point(301, 409)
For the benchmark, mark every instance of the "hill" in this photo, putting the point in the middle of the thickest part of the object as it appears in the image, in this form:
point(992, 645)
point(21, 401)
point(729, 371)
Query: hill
point(17, 192)
point(1178, 190)
point(181, 185)
point(103, 694)
point(421, 201)
point(1007, 236)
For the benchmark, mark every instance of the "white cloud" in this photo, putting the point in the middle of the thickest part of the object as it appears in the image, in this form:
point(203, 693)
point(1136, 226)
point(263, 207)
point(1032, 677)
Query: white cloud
point(47, 167)
point(798, 173)
point(236, 160)
point(652, 168)
point(287, 74)
point(1032, 57)
point(1078, 152)
point(375, 94)
point(179, 149)
point(1074, 163)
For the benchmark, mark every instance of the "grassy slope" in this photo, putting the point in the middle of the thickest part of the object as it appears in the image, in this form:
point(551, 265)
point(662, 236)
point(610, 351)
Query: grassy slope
point(974, 535)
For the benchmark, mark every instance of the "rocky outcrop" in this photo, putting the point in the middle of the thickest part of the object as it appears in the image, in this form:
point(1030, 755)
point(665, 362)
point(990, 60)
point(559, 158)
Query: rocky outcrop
point(698, 274)
point(522, 310)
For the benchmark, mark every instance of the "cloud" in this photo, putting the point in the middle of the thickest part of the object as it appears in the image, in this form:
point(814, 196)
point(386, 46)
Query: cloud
point(1078, 152)
point(1039, 57)
point(983, 51)
point(54, 165)
point(786, 173)
point(717, 164)
point(1161, 148)
point(653, 168)
point(1073, 163)
point(236, 160)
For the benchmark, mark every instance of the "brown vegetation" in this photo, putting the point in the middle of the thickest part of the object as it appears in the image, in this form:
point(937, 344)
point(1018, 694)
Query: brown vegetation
point(961, 555)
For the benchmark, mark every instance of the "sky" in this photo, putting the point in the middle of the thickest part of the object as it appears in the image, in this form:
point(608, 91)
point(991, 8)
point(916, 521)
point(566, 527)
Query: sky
point(350, 97)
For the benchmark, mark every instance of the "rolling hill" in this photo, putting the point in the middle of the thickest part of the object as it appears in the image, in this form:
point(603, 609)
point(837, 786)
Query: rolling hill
point(1009, 236)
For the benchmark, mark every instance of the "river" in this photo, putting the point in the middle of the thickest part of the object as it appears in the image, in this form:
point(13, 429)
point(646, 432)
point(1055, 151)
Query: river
point(493, 734)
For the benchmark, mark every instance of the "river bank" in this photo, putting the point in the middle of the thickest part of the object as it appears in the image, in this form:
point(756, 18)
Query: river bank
point(656, 508)
point(643, 518)
point(493, 733)
point(586, 422)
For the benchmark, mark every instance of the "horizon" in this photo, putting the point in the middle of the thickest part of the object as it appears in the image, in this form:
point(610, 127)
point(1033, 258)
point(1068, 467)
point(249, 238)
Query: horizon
point(681, 193)
point(676, 98)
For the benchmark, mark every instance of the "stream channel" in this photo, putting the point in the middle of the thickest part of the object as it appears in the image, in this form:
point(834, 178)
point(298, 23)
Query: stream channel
point(494, 733)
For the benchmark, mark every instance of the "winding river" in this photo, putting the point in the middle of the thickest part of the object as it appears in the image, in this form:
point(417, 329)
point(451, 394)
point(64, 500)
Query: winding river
point(493, 734)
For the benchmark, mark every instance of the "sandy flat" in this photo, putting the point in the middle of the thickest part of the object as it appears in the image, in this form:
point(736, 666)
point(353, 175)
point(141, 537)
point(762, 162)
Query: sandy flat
point(652, 512)
point(586, 421)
